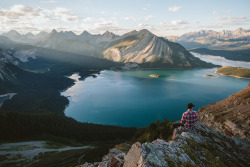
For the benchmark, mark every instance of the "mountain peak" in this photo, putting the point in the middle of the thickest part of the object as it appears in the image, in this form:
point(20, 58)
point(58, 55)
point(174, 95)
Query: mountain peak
point(85, 33)
point(54, 31)
point(13, 32)
point(108, 33)
point(240, 30)
point(145, 31)
point(29, 35)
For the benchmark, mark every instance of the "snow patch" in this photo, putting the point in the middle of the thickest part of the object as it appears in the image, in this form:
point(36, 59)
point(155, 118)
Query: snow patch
point(24, 55)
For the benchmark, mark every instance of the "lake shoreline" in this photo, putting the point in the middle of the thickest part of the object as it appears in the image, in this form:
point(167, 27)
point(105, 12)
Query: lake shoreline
point(95, 100)
point(231, 75)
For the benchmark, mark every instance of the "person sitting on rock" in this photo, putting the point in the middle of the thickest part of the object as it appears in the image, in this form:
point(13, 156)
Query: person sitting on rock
point(188, 120)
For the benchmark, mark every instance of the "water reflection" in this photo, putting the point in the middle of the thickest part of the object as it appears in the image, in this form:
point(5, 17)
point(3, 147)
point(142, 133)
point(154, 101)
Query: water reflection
point(221, 60)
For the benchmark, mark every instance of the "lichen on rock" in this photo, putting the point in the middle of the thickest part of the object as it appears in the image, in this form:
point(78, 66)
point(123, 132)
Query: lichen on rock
point(202, 147)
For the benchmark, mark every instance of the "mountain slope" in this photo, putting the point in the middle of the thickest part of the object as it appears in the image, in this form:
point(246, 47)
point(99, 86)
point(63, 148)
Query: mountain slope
point(148, 50)
point(230, 115)
point(7, 72)
point(15, 79)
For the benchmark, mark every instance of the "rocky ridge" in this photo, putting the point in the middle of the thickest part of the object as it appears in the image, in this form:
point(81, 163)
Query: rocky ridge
point(230, 116)
point(202, 147)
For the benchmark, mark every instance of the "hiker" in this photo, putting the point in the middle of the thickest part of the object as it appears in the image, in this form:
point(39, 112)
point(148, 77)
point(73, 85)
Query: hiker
point(188, 120)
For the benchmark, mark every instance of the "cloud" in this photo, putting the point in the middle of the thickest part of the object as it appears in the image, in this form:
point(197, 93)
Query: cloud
point(148, 17)
point(179, 22)
point(174, 8)
point(146, 26)
point(232, 21)
point(24, 13)
point(130, 19)
point(103, 25)
point(49, 1)
point(89, 19)
point(23, 17)
point(223, 12)
point(144, 8)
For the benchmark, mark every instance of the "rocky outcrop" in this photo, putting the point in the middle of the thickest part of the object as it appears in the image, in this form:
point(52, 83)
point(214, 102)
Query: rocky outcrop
point(230, 116)
point(202, 147)
point(115, 158)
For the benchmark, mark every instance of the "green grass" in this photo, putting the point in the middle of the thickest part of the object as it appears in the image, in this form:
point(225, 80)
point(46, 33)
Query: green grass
point(234, 71)
point(170, 162)
point(124, 44)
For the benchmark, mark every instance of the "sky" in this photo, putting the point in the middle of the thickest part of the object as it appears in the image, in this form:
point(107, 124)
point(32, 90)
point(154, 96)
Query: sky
point(162, 17)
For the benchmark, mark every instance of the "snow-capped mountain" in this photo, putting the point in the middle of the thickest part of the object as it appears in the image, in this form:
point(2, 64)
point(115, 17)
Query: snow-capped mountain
point(215, 40)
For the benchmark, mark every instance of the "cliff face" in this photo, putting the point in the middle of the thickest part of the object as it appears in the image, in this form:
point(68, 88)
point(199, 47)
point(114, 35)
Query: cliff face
point(230, 116)
point(204, 147)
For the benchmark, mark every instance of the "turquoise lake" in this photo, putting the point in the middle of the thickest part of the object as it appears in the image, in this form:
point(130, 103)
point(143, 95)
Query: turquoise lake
point(132, 98)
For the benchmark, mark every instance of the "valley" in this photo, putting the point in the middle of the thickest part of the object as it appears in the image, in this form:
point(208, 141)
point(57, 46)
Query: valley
point(142, 83)
point(104, 86)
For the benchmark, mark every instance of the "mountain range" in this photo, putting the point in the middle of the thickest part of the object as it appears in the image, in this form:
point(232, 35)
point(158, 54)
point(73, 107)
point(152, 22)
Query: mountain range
point(226, 39)
point(142, 47)
point(27, 38)
point(36, 72)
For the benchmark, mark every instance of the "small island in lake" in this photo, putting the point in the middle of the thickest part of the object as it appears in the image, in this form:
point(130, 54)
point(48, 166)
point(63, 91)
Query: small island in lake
point(239, 72)
point(154, 75)
point(209, 75)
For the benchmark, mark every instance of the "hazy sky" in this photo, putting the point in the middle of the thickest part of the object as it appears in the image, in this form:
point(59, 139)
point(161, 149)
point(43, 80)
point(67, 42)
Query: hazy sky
point(162, 17)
